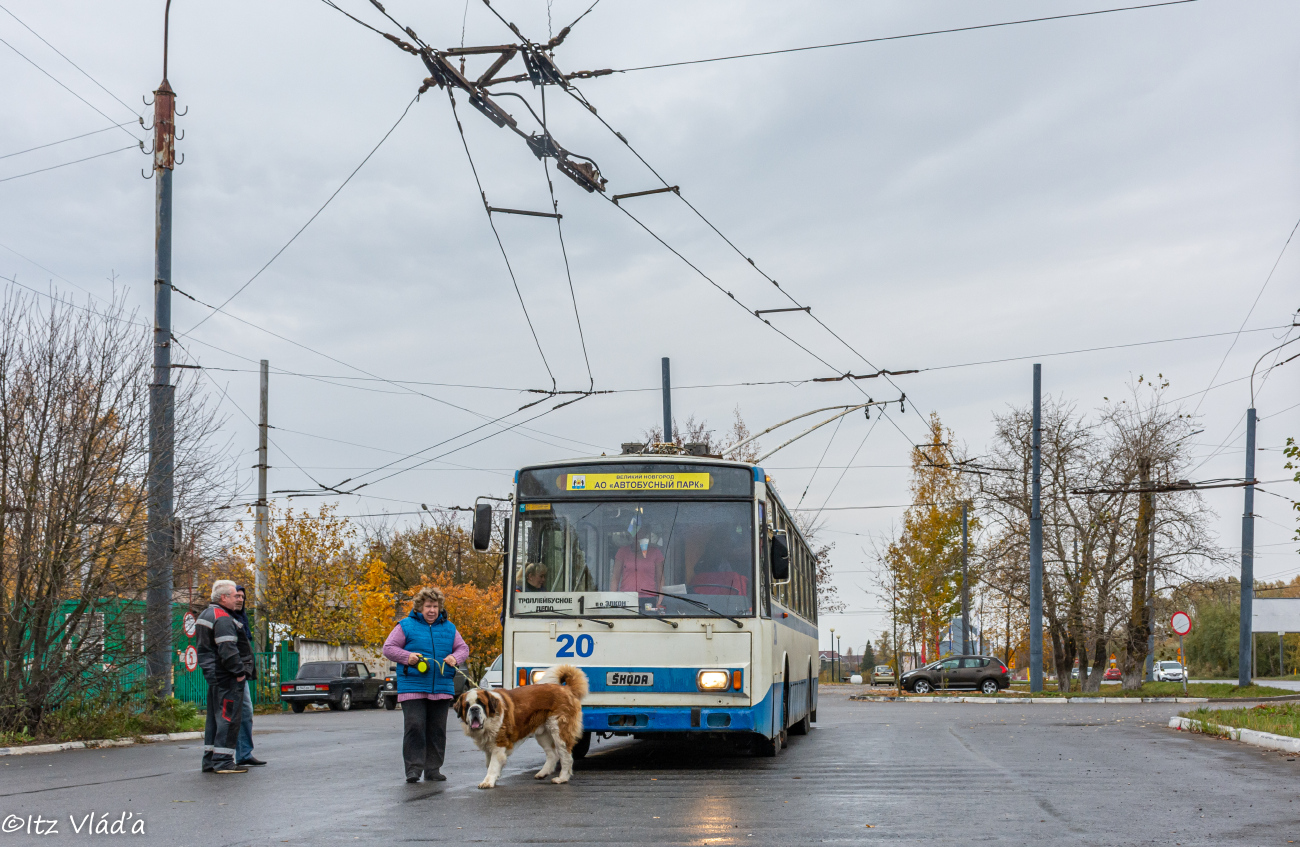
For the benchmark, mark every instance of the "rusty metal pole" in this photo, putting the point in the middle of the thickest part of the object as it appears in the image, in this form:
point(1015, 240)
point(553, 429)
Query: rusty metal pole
point(159, 548)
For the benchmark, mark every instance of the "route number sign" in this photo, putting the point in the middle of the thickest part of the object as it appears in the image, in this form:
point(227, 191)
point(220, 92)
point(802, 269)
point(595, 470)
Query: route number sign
point(190, 624)
point(1181, 623)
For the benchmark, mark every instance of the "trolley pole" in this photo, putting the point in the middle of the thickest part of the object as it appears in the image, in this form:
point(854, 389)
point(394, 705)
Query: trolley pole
point(262, 514)
point(1036, 544)
point(1247, 637)
point(668, 405)
point(159, 547)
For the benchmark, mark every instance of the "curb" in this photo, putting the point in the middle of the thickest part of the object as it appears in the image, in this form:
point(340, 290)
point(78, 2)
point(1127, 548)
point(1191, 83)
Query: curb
point(1028, 701)
point(1267, 740)
point(103, 742)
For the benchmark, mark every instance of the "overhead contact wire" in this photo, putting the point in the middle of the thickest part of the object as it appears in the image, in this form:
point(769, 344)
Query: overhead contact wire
point(559, 228)
point(486, 210)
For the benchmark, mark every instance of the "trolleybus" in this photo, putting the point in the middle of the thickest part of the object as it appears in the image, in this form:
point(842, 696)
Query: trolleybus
point(679, 584)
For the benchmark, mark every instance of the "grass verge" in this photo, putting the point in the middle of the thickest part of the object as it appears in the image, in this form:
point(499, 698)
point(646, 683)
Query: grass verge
point(93, 718)
point(1277, 718)
point(1152, 689)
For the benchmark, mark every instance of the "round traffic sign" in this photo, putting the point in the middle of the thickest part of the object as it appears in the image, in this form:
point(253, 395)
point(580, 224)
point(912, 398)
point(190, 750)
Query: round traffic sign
point(191, 658)
point(1181, 623)
point(190, 624)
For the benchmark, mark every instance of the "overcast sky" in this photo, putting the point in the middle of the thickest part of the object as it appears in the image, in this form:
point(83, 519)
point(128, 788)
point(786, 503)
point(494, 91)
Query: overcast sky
point(1012, 192)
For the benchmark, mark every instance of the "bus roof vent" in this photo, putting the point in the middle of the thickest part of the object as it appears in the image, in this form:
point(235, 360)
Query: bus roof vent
point(632, 447)
point(697, 449)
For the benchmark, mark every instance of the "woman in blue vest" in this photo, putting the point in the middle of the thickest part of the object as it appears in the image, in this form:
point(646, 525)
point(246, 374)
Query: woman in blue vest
point(425, 638)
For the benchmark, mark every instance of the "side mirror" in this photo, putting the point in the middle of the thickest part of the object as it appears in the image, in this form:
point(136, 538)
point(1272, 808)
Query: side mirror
point(482, 526)
point(780, 556)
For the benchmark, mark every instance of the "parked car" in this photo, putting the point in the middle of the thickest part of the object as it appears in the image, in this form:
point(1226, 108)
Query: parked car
point(339, 685)
point(493, 677)
point(1168, 672)
point(983, 673)
point(882, 675)
point(1112, 675)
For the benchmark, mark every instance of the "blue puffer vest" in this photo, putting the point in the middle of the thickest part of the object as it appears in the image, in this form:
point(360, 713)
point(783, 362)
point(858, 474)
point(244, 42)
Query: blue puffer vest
point(434, 641)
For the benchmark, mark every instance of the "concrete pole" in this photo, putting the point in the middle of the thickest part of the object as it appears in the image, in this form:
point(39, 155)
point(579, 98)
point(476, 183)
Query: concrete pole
point(668, 405)
point(262, 515)
point(965, 587)
point(1245, 640)
point(159, 546)
point(1036, 543)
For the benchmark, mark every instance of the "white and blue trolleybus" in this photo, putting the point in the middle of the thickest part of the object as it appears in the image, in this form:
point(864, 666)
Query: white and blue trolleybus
point(679, 584)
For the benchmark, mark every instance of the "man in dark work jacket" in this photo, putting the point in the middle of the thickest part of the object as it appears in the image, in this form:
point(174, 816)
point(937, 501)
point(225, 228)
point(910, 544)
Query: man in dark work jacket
point(223, 649)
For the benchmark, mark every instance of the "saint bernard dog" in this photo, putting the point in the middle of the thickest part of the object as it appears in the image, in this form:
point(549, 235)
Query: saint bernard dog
point(550, 711)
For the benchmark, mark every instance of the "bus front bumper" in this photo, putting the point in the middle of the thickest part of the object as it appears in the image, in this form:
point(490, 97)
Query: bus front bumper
point(643, 719)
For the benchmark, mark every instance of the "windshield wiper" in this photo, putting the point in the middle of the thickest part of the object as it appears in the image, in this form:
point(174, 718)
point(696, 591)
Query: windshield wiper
point(673, 624)
point(564, 615)
point(704, 606)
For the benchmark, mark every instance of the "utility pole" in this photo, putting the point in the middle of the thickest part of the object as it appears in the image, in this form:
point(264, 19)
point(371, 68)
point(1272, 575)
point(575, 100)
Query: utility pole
point(1247, 636)
point(893, 617)
point(668, 405)
point(159, 547)
point(1151, 593)
point(965, 589)
point(1036, 543)
point(262, 513)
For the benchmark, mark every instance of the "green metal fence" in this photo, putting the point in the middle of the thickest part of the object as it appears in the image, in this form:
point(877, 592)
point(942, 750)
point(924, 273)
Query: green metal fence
point(272, 669)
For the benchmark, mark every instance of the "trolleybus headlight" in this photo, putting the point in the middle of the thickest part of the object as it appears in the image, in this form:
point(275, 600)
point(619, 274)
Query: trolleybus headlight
point(712, 680)
point(536, 676)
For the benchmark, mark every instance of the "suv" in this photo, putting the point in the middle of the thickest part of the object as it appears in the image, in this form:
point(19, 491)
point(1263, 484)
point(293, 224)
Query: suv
point(1168, 672)
point(983, 673)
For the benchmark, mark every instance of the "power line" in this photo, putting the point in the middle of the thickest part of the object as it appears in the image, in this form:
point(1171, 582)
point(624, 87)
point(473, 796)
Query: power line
point(65, 88)
point(137, 146)
point(901, 37)
point(70, 62)
point(480, 415)
point(1099, 349)
point(1249, 312)
point(330, 199)
point(63, 140)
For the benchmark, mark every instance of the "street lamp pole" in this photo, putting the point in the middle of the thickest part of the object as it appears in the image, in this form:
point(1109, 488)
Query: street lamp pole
point(832, 654)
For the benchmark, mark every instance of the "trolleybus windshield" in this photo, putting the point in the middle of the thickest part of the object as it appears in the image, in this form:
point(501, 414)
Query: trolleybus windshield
point(617, 557)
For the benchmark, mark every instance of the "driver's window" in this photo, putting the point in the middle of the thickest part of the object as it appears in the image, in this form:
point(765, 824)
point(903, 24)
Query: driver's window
point(949, 664)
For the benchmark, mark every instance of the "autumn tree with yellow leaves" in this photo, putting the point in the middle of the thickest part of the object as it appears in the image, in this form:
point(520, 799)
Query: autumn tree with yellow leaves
point(313, 575)
point(923, 564)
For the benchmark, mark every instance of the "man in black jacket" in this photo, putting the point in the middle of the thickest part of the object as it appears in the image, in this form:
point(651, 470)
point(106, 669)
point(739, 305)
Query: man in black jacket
point(224, 655)
point(244, 749)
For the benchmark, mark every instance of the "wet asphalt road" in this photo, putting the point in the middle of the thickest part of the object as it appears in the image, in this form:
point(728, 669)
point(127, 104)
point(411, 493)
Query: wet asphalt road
point(869, 772)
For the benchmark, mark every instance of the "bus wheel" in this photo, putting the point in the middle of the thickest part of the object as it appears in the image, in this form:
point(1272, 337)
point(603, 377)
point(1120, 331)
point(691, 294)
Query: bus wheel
point(584, 744)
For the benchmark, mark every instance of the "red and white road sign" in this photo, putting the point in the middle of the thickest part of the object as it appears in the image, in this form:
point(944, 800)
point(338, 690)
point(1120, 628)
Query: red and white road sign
point(1181, 623)
point(191, 658)
point(190, 624)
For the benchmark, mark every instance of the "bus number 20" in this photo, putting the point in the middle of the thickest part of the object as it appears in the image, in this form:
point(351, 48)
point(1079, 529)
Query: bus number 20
point(586, 645)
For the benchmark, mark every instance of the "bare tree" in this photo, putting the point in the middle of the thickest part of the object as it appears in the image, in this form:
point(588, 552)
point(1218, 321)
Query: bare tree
point(1094, 576)
point(73, 458)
